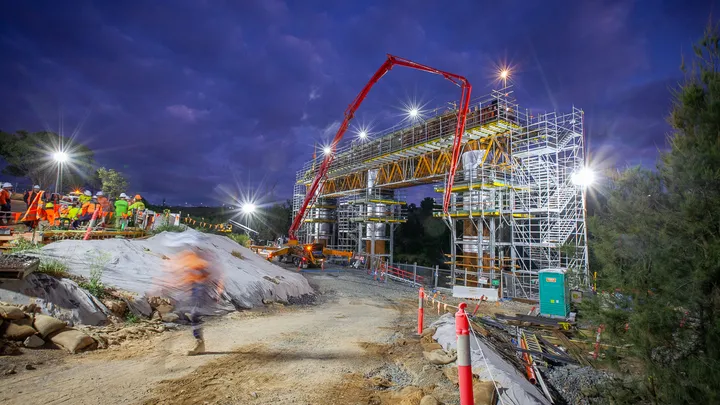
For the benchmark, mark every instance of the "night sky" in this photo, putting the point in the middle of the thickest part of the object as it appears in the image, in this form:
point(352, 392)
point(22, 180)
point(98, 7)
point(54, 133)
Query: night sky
point(195, 97)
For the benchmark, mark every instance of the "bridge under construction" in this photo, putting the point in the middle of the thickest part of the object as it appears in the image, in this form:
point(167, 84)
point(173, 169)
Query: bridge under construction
point(513, 207)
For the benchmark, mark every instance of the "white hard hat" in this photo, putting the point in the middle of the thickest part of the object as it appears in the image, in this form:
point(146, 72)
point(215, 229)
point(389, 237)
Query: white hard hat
point(123, 195)
point(36, 187)
point(5, 185)
point(99, 194)
point(87, 193)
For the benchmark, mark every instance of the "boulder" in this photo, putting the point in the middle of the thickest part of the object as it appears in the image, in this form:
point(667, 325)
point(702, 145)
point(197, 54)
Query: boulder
point(410, 396)
point(428, 347)
point(439, 357)
point(429, 400)
point(14, 331)
point(484, 392)
point(72, 340)
point(164, 308)
point(47, 324)
point(139, 306)
point(11, 313)
point(33, 342)
point(452, 374)
point(117, 307)
point(169, 317)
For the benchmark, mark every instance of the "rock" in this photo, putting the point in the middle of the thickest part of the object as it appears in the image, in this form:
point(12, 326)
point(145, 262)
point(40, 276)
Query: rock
point(411, 396)
point(484, 392)
point(380, 382)
point(47, 324)
point(117, 307)
point(29, 367)
point(452, 374)
point(429, 400)
point(164, 308)
point(33, 342)
point(155, 302)
point(11, 313)
point(139, 306)
point(439, 357)
point(428, 347)
point(10, 371)
point(156, 316)
point(429, 332)
point(169, 317)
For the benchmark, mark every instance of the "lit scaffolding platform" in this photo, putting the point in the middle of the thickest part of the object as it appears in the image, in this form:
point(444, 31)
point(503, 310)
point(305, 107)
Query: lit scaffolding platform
point(513, 209)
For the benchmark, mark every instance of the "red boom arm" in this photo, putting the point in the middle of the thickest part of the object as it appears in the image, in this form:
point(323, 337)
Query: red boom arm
point(391, 61)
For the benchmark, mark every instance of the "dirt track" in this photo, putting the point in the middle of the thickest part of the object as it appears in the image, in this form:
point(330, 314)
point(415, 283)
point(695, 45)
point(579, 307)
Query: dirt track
point(322, 354)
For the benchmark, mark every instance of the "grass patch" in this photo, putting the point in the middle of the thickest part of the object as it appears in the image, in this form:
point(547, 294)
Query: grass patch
point(240, 238)
point(169, 228)
point(53, 267)
point(22, 245)
point(237, 254)
point(130, 317)
point(98, 261)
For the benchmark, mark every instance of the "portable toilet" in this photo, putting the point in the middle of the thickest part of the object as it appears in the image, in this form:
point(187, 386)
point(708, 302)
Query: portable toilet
point(554, 293)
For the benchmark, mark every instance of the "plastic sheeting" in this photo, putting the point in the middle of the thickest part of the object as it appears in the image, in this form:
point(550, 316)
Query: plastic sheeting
point(141, 266)
point(59, 298)
point(514, 388)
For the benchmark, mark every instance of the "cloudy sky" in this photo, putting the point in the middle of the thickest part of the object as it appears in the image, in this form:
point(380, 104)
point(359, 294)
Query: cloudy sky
point(188, 97)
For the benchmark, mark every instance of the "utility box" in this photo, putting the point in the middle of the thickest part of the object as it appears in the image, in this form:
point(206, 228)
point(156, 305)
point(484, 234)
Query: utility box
point(554, 293)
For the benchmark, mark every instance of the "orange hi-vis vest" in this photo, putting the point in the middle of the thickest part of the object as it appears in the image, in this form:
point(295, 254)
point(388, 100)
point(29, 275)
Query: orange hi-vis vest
point(4, 196)
point(35, 209)
point(88, 208)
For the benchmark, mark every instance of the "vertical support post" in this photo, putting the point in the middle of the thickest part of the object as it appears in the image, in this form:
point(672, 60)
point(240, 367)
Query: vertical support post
point(415, 272)
point(421, 310)
point(392, 242)
point(597, 342)
point(437, 275)
point(462, 330)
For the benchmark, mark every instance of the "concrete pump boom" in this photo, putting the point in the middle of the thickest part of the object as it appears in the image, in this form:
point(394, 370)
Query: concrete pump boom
point(391, 61)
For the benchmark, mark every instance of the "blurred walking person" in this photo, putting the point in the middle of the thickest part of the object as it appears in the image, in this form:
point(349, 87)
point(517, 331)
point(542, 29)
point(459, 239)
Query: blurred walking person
point(198, 284)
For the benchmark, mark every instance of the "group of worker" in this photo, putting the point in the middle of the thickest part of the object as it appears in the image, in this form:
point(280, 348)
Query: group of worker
point(51, 207)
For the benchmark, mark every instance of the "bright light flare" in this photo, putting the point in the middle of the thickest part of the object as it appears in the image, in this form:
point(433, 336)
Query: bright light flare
point(363, 135)
point(60, 157)
point(327, 150)
point(248, 208)
point(584, 177)
point(504, 74)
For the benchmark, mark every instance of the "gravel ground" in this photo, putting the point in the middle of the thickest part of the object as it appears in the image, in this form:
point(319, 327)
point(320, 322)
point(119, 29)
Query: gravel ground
point(579, 385)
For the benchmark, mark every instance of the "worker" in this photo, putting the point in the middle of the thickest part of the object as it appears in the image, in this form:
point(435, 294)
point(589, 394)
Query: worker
point(5, 203)
point(121, 211)
point(35, 207)
point(197, 283)
point(85, 197)
point(74, 211)
point(136, 209)
point(107, 208)
point(86, 212)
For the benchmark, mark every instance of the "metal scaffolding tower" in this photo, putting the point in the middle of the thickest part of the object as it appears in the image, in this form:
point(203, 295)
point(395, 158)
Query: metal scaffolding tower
point(514, 209)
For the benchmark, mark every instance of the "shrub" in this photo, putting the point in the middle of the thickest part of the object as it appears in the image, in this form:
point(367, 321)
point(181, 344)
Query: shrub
point(240, 238)
point(169, 228)
point(237, 254)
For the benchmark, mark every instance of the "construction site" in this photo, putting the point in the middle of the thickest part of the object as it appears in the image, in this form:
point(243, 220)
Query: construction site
point(514, 210)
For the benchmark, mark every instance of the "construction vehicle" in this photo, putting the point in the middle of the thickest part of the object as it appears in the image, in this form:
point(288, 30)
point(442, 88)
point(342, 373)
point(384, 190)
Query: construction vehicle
point(301, 256)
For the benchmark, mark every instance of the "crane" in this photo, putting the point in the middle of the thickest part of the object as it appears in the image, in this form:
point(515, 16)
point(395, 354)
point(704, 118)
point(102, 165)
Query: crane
point(319, 181)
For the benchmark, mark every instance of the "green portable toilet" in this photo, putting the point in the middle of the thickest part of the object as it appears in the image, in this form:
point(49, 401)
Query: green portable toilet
point(554, 293)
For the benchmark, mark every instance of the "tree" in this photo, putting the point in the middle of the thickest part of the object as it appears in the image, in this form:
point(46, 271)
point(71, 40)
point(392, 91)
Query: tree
point(657, 246)
point(273, 222)
point(113, 182)
point(30, 155)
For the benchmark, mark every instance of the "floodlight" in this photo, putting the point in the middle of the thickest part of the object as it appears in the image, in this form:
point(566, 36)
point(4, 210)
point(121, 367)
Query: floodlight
point(583, 177)
point(327, 150)
point(248, 208)
point(60, 157)
point(413, 112)
point(363, 134)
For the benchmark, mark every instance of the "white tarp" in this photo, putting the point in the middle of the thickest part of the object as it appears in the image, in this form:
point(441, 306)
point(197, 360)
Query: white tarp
point(139, 266)
point(515, 389)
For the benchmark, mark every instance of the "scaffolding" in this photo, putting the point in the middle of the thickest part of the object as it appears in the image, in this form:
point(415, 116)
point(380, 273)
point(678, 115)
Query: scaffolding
point(513, 209)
